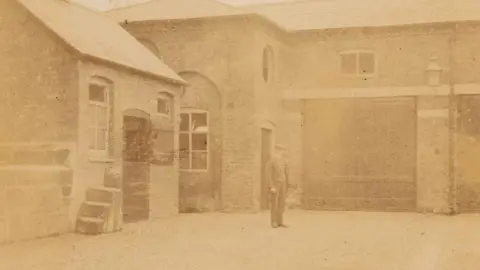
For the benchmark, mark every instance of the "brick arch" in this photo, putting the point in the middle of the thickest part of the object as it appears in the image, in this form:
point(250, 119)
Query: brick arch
point(199, 81)
point(201, 190)
point(136, 113)
point(102, 79)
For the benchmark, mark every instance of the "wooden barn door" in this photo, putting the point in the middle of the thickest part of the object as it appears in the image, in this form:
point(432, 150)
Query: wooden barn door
point(360, 154)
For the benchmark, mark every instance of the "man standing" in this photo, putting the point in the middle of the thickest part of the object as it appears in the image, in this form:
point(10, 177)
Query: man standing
point(277, 173)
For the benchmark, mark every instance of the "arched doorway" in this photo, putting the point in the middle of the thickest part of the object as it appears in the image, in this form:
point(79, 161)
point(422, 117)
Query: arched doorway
point(136, 166)
point(200, 145)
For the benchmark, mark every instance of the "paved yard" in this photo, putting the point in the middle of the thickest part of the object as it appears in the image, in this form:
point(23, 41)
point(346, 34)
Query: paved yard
point(315, 240)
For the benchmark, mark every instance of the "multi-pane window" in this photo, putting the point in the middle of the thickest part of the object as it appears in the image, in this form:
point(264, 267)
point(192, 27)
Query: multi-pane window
point(98, 109)
point(194, 140)
point(358, 63)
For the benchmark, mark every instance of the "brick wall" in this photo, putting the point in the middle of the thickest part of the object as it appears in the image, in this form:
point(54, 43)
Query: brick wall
point(267, 97)
point(433, 154)
point(39, 80)
point(291, 135)
point(200, 190)
point(226, 58)
point(402, 53)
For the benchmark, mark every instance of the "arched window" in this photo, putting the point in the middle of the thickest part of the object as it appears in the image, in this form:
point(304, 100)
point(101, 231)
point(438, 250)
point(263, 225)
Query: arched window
point(267, 66)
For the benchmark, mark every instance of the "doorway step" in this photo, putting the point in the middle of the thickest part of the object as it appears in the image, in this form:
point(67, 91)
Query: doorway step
point(101, 212)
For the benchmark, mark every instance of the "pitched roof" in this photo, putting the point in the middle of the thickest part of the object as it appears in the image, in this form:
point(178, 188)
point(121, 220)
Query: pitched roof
point(324, 14)
point(94, 35)
point(174, 10)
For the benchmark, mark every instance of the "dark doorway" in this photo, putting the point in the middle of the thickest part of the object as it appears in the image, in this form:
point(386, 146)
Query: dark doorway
point(266, 153)
point(136, 169)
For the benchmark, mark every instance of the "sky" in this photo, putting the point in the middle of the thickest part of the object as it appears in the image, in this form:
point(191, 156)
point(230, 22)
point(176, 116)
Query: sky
point(104, 4)
point(252, 2)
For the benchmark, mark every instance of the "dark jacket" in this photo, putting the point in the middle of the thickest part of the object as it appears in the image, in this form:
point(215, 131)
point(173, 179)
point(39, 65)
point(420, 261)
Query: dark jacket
point(277, 172)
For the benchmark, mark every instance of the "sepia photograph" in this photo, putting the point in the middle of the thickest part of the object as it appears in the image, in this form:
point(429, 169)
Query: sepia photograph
point(239, 134)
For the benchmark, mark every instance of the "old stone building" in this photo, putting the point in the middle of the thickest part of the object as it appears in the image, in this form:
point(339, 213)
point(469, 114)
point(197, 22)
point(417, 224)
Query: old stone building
point(375, 106)
point(80, 99)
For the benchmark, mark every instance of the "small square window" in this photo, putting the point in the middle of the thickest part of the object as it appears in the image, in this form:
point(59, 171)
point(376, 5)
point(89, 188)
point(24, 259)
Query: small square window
point(163, 106)
point(97, 93)
point(358, 63)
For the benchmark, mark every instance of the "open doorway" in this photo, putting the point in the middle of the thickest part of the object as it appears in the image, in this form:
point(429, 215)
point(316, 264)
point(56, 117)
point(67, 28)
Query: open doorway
point(266, 145)
point(136, 168)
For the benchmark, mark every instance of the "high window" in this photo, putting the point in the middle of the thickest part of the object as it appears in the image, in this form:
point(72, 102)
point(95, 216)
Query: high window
point(358, 63)
point(194, 140)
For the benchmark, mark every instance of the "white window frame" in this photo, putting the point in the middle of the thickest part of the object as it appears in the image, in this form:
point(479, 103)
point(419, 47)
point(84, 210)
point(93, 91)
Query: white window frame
point(168, 100)
point(100, 153)
point(358, 73)
point(190, 132)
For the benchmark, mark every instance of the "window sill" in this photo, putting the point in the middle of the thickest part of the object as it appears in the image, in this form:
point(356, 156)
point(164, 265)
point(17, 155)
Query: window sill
point(193, 171)
point(359, 76)
point(101, 160)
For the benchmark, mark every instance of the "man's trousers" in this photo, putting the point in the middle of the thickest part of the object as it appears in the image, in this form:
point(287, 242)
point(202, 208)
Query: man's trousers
point(277, 204)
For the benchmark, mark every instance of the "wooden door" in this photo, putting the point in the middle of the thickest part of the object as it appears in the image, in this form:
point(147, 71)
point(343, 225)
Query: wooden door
point(136, 169)
point(360, 154)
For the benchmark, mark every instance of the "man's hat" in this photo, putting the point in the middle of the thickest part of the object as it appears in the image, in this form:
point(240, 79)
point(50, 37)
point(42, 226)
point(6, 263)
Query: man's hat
point(280, 147)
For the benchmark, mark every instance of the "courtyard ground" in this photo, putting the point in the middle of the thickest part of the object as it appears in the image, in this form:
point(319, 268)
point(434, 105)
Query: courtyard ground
point(314, 241)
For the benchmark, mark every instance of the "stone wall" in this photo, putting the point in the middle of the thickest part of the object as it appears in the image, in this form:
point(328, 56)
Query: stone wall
point(35, 189)
point(33, 204)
